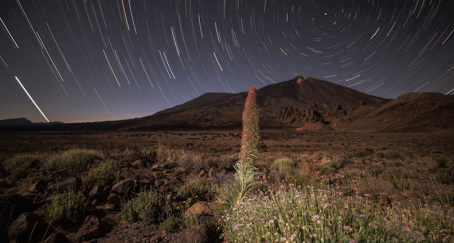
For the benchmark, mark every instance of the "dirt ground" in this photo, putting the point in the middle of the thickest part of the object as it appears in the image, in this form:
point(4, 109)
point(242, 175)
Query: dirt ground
point(434, 144)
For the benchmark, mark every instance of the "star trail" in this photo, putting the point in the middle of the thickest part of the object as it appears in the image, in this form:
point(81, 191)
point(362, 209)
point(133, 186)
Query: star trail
point(96, 60)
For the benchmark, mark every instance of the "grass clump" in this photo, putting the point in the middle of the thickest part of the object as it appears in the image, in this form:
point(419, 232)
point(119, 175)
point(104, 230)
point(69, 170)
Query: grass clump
point(98, 176)
point(398, 177)
point(77, 160)
point(169, 224)
point(147, 206)
point(70, 206)
point(441, 162)
point(330, 168)
point(389, 154)
point(298, 180)
point(374, 169)
point(444, 198)
point(364, 153)
point(283, 164)
point(20, 165)
point(198, 190)
point(446, 179)
point(310, 215)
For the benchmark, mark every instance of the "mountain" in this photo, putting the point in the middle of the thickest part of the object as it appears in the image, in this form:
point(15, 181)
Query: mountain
point(15, 122)
point(412, 112)
point(292, 103)
point(24, 122)
point(301, 103)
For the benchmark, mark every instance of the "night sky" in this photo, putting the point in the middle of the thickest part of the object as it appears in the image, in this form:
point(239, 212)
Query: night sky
point(96, 60)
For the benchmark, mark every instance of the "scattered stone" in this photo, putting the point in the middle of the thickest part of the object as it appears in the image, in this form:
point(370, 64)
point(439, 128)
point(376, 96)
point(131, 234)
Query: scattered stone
point(39, 187)
point(90, 229)
point(96, 192)
point(199, 208)
point(196, 234)
point(71, 183)
point(114, 199)
point(57, 238)
point(24, 226)
point(123, 187)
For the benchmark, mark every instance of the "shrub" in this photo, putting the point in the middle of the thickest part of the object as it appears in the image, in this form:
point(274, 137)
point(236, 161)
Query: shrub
point(299, 180)
point(198, 189)
point(441, 162)
point(98, 176)
point(445, 198)
point(374, 169)
point(146, 206)
point(188, 221)
point(225, 165)
point(67, 206)
point(169, 224)
point(77, 161)
point(447, 179)
point(283, 164)
point(398, 177)
point(330, 168)
point(20, 165)
point(389, 154)
point(364, 153)
point(307, 215)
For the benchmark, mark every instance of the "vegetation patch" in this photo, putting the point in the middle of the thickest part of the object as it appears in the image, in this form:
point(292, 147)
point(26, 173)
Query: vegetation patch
point(447, 179)
point(198, 190)
point(70, 206)
point(389, 154)
point(77, 160)
point(310, 215)
point(283, 164)
point(147, 206)
point(20, 165)
point(169, 224)
point(330, 168)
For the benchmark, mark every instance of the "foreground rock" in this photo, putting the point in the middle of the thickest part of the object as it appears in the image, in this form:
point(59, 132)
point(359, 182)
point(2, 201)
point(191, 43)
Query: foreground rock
point(28, 224)
point(73, 183)
point(196, 234)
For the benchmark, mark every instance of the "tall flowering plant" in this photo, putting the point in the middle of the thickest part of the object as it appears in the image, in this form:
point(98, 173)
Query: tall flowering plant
point(250, 137)
point(234, 193)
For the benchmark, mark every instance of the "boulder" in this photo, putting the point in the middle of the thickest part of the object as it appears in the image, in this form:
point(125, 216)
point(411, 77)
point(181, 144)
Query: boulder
point(174, 184)
point(106, 193)
point(90, 229)
point(73, 183)
point(114, 199)
point(195, 234)
point(199, 208)
point(57, 238)
point(123, 187)
point(39, 186)
point(28, 224)
point(96, 192)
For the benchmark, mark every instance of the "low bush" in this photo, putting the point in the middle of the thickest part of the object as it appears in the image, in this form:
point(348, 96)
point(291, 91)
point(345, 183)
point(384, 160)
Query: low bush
point(388, 154)
point(147, 206)
point(283, 164)
point(198, 190)
point(447, 179)
point(70, 206)
point(374, 169)
point(169, 224)
point(98, 176)
point(441, 162)
point(330, 168)
point(225, 165)
point(299, 180)
point(311, 215)
point(364, 153)
point(19, 166)
point(77, 160)
point(444, 198)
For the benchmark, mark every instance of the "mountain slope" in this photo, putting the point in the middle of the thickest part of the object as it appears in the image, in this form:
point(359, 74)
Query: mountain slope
point(224, 111)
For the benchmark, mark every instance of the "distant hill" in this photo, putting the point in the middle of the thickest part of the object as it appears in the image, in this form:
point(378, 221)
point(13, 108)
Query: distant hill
point(16, 122)
point(301, 103)
point(24, 122)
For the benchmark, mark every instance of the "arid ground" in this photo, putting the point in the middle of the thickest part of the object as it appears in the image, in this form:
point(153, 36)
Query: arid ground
point(406, 172)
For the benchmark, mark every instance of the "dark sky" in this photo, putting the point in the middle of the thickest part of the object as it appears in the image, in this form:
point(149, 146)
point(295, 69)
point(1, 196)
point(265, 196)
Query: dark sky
point(95, 60)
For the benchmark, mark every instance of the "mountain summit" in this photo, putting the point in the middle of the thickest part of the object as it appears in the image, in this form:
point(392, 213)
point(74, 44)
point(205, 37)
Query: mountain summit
point(285, 104)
